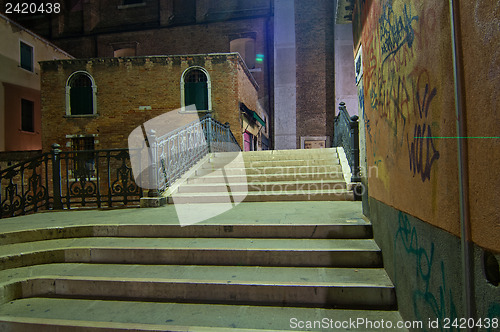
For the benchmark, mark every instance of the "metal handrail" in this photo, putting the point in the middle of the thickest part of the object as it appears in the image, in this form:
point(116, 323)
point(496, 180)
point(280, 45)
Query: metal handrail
point(104, 178)
point(177, 151)
point(59, 180)
point(346, 135)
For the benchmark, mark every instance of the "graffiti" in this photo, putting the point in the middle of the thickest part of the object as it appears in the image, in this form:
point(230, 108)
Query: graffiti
point(373, 98)
point(395, 31)
point(422, 151)
point(438, 301)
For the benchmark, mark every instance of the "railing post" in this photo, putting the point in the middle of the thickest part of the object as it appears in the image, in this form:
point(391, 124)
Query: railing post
point(228, 134)
point(354, 134)
point(56, 176)
point(153, 176)
point(209, 132)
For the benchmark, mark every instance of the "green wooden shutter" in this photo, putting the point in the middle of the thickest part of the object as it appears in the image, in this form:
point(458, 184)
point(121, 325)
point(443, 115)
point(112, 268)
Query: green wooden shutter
point(81, 100)
point(196, 93)
point(26, 57)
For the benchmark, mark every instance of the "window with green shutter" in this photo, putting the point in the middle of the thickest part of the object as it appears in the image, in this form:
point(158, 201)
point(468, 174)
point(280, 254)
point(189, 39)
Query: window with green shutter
point(196, 89)
point(26, 57)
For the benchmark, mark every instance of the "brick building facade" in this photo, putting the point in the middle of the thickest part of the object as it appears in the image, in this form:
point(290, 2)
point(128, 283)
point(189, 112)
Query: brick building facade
point(120, 94)
point(288, 47)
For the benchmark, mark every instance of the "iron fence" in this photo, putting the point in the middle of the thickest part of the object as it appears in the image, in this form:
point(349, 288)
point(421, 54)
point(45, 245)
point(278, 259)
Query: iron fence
point(104, 178)
point(68, 179)
point(176, 152)
point(346, 135)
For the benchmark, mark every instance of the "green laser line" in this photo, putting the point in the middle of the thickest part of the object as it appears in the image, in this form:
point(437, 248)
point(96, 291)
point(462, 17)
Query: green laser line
point(456, 137)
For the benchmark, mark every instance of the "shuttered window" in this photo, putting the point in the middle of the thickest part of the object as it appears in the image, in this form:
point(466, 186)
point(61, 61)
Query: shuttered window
point(26, 56)
point(196, 89)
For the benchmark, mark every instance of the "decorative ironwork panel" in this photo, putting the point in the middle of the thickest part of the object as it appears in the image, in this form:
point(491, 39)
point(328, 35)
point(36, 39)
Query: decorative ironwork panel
point(177, 151)
point(24, 187)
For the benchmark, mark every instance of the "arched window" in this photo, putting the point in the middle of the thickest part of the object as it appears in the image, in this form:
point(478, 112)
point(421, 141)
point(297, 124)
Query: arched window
point(81, 94)
point(196, 89)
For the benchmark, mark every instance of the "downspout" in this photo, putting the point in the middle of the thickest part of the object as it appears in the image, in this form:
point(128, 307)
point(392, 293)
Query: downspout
point(463, 171)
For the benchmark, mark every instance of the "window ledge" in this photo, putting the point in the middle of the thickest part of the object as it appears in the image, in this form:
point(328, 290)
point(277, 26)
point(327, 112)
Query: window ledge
point(185, 111)
point(27, 132)
point(133, 5)
point(82, 116)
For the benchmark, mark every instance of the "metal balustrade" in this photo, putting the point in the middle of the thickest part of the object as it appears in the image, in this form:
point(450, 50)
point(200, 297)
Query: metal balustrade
point(104, 178)
point(177, 151)
point(346, 135)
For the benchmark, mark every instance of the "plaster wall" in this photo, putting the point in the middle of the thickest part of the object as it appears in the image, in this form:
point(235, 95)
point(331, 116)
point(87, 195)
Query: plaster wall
point(480, 30)
point(20, 83)
point(410, 117)
point(408, 106)
point(408, 100)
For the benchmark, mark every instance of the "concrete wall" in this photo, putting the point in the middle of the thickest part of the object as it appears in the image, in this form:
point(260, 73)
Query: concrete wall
point(126, 84)
point(345, 86)
point(410, 122)
point(19, 83)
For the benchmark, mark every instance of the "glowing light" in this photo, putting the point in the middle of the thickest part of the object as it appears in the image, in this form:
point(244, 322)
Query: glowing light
point(260, 58)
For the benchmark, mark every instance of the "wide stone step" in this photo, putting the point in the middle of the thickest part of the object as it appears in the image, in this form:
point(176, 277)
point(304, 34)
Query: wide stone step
point(195, 251)
point(218, 177)
point(263, 196)
point(286, 170)
point(218, 162)
point(51, 314)
point(319, 229)
point(262, 186)
point(282, 154)
point(285, 286)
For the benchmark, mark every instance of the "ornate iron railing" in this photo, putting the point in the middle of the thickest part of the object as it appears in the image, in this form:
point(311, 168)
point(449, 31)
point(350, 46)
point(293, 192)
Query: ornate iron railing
point(346, 135)
point(68, 179)
point(104, 178)
point(176, 152)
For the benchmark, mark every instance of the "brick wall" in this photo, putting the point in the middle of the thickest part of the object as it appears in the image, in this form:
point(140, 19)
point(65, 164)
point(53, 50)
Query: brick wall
point(314, 27)
point(125, 84)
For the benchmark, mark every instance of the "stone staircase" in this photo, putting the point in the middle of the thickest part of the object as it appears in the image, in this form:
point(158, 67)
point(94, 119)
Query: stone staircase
point(263, 176)
point(266, 266)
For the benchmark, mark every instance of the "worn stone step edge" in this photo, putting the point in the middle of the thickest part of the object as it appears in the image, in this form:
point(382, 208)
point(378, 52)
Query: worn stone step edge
point(271, 163)
point(254, 178)
point(72, 315)
point(261, 196)
point(342, 253)
point(271, 170)
point(346, 293)
point(350, 228)
point(261, 186)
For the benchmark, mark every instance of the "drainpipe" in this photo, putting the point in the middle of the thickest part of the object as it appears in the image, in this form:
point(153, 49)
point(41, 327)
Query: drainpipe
point(463, 172)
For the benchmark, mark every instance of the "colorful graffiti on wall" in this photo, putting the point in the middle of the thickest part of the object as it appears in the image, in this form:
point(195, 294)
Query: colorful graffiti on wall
point(431, 293)
point(400, 91)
